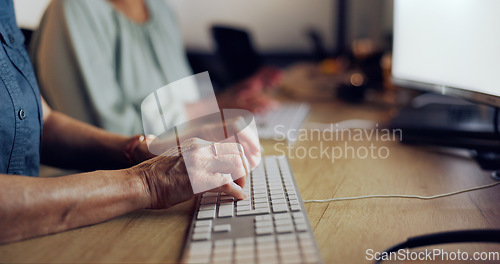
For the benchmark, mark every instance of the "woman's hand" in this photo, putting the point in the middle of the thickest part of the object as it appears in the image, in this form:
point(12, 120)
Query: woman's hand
point(172, 178)
point(239, 130)
point(238, 126)
point(249, 94)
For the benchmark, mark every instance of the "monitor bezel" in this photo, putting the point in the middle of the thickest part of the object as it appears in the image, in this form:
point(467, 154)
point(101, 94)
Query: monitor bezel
point(477, 97)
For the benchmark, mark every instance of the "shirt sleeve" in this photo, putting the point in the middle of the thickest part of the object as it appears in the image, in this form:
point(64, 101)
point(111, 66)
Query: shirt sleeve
point(75, 63)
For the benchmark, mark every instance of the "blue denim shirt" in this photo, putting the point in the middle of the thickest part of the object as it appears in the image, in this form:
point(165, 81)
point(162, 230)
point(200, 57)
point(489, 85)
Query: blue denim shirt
point(20, 105)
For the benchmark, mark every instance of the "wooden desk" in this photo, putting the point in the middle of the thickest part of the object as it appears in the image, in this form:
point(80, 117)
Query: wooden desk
point(344, 230)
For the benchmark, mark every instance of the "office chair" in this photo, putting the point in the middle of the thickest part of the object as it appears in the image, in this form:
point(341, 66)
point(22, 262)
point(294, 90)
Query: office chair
point(236, 52)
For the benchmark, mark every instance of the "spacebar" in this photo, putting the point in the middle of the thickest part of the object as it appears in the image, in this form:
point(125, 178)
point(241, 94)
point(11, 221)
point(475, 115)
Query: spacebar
point(258, 211)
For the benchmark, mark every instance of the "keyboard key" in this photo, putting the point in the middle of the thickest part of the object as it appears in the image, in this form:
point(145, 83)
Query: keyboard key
point(263, 223)
point(207, 207)
point(244, 259)
point(261, 205)
point(289, 247)
point(222, 228)
point(301, 227)
point(260, 195)
point(263, 218)
point(242, 203)
point(226, 198)
point(201, 247)
point(305, 236)
point(300, 221)
point(222, 259)
point(243, 208)
point(279, 201)
point(280, 208)
point(262, 189)
point(260, 200)
point(224, 243)
point(298, 215)
point(307, 243)
point(265, 240)
point(226, 203)
point(282, 222)
point(281, 216)
point(208, 200)
point(268, 259)
point(223, 250)
point(291, 259)
point(198, 259)
point(264, 230)
point(295, 207)
point(245, 241)
point(287, 237)
point(226, 212)
point(253, 212)
point(210, 214)
point(201, 236)
point(203, 223)
point(267, 250)
point(284, 229)
point(202, 229)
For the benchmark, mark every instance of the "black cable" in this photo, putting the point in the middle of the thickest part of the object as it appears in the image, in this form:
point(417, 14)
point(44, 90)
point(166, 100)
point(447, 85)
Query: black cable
point(484, 235)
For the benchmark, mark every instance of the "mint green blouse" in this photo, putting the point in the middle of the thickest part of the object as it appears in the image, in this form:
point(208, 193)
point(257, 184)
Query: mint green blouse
point(96, 65)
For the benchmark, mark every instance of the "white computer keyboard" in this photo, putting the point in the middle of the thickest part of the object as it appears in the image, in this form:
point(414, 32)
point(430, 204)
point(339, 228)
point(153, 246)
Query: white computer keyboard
point(269, 226)
point(286, 120)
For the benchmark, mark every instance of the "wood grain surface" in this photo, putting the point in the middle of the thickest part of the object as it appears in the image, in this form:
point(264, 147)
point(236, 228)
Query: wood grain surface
point(344, 230)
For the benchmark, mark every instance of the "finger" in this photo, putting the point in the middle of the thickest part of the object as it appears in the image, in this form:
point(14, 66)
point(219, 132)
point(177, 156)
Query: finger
point(232, 164)
point(271, 76)
point(225, 148)
point(251, 88)
point(244, 133)
point(260, 104)
point(250, 152)
point(232, 189)
point(249, 140)
point(252, 157)
point(241, 181)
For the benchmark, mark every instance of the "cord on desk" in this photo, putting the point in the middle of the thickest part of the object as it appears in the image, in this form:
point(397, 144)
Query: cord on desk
point(404, 196)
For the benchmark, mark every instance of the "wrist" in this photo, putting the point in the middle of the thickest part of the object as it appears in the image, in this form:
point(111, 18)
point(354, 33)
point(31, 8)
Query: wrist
point(137, 182)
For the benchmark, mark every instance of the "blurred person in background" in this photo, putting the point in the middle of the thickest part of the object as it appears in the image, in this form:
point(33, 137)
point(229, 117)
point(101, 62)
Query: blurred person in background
point(123, 175)
point(96, 60)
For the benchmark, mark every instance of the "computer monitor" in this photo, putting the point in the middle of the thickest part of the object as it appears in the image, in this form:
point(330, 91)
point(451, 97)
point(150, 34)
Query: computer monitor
point(450, 47)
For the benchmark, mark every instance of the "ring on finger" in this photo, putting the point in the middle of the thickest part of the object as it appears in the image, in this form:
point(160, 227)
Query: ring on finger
point(214, 148)
point(242, 156)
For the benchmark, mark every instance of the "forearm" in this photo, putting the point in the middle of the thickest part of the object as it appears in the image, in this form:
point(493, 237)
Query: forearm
point(32, 207)
point(69, 143)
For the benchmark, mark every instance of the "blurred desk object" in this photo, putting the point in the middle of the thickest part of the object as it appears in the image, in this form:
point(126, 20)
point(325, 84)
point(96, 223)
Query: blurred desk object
point(344, 230)
point(306, 81)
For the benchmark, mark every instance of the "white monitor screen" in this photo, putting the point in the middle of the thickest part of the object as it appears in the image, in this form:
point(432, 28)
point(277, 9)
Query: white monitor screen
point(448, 43)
